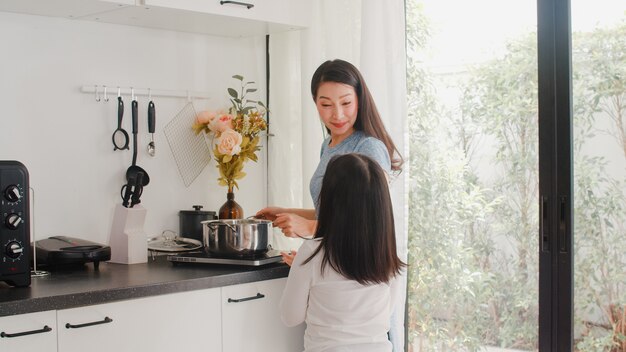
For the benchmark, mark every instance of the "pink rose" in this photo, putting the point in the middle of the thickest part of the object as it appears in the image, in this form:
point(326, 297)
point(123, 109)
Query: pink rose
point(221, 123)
point(205, 117)
point(229, 142)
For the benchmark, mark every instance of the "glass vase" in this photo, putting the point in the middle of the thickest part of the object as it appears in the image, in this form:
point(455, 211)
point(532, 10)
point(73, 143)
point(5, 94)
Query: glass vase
point(230, 209)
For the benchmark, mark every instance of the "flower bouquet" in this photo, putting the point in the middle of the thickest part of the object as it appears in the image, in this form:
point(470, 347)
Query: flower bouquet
point(235, 132)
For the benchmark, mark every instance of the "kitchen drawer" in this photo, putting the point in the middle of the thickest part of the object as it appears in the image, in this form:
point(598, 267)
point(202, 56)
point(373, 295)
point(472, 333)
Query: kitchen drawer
point(180, 321)
point(29, 332)
point(251, 319)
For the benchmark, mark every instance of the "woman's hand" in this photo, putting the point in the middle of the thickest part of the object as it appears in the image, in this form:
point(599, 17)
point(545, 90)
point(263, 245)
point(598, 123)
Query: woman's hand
point(288, 257)
point(269, 213)
point(293, 225)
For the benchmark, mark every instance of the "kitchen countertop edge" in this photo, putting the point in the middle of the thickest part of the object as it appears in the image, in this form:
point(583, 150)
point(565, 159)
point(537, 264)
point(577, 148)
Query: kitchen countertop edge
point(87, 298)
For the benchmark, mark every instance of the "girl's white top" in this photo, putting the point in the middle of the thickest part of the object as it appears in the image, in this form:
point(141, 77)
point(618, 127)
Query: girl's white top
point(340, 314)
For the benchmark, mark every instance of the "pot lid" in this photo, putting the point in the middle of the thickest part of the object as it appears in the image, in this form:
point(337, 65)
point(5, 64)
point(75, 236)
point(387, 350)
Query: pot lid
point(197, 211)
point(172, 243)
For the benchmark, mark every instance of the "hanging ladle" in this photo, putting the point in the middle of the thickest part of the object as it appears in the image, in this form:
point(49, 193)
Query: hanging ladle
point(120, 136)
point(134, 170)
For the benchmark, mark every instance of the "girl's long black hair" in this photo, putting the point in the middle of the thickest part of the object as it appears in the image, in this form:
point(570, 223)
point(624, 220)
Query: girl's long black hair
point(355, 221)
point(368, 118)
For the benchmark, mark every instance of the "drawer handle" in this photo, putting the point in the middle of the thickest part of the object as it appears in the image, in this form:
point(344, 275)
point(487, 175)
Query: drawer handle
point(237, 300)
point(249, 6)
point(106, 320)
point(46, 328)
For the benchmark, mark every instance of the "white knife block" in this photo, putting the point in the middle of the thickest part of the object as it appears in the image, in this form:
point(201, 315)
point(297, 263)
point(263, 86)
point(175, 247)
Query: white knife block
point(128, 241)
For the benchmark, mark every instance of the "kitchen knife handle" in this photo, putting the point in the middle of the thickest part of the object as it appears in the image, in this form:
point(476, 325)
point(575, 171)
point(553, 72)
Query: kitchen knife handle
point(151, 117)
point(137, 190)
point(237, 300)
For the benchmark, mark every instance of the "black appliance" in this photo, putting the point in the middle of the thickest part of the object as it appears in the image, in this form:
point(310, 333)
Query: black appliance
point(190, 222)
point(15, 227)
point(63, 251)
point(202, 257)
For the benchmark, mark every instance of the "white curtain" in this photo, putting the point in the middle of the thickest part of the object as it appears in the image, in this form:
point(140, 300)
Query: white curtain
point(370, 35)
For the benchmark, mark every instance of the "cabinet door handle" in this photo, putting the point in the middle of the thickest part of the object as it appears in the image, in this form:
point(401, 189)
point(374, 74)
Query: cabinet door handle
point(237, 300)
point(45, 328)
point(106, 320)
point(247, 5)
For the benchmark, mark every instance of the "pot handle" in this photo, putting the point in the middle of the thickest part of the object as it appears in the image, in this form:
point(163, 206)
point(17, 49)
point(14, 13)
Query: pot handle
point(256, 217)
point(213, 225)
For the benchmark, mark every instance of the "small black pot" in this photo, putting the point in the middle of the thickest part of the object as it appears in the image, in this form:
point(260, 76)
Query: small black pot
point(190, 222)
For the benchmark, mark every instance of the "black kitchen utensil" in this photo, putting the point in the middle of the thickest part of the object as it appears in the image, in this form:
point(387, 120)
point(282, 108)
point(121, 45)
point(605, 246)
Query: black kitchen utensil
point(137, 190)
point(120, 136)
point(127, 191)
point(151, 128)
point(133, 170)
point(131, 191)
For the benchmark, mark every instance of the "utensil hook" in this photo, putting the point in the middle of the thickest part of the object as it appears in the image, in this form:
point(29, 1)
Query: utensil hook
point(132, 93)
point(149, 94)
point(97, 95)
point(119, 92)
point(106, 98)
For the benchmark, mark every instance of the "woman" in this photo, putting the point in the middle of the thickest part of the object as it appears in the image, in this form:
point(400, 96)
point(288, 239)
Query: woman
point(348, 111)
point(342, 282)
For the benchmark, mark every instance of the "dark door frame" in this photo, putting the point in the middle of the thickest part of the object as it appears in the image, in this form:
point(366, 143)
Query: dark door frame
point(555, 175)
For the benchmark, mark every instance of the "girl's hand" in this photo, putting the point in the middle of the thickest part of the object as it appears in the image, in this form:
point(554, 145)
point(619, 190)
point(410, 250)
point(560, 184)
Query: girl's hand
point(269, 213)
point(293, 225)
point(288, 257)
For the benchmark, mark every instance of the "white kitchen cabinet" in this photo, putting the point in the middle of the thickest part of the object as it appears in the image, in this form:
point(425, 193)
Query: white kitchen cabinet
point(29, 332)
point(251, 319)
point(234, 318)
point(294, 13)
point(188, 321)
point(213, 17)
point(62, 8)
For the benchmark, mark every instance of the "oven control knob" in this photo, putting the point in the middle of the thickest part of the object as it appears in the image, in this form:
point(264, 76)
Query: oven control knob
point(12, 194)
point(14, 249)
point(13, 221)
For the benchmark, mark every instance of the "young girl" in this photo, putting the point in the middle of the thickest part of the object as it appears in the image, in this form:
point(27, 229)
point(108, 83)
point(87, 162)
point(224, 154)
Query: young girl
point(341, 282)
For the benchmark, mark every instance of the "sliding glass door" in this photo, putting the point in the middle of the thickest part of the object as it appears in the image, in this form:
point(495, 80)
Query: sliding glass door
point(473, 258)
point(599, 141)
point(517, 229)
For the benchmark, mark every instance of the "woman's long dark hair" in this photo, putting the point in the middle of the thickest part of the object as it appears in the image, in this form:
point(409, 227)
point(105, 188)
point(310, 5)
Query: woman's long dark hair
point(368, 119)
point(355, 221)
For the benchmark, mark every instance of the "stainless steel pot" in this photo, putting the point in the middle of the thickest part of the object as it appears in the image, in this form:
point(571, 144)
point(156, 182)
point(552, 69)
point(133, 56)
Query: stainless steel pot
point(237, 237)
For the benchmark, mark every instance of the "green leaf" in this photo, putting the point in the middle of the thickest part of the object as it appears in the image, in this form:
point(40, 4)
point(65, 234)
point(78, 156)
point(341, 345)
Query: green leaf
point(251, 90)
point(233, 93)
point(238, 77)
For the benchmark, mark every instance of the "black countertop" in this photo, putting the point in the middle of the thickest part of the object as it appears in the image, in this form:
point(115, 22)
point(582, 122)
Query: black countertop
point(112, 282)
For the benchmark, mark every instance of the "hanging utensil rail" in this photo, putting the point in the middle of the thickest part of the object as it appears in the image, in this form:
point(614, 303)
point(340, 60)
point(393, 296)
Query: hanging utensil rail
point(104, 93)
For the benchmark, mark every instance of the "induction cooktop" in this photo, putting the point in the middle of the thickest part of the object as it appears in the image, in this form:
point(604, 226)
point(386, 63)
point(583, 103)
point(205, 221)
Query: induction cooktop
point(202, 257)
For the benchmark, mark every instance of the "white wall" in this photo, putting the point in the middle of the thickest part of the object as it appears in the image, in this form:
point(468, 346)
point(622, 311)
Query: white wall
point(63, 136)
